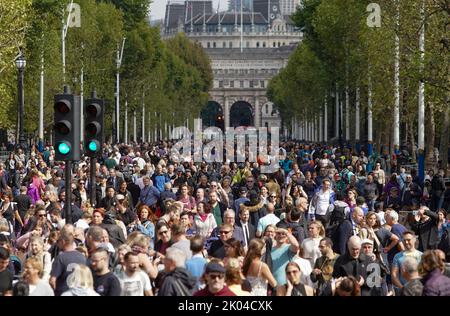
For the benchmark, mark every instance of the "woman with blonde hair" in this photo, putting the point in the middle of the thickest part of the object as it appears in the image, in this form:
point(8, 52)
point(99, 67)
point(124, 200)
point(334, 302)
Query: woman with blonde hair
point(80, 282)
point(36, 250)
point(233, 277)
point(310, 245)
point(256, 271)
point(32, 273)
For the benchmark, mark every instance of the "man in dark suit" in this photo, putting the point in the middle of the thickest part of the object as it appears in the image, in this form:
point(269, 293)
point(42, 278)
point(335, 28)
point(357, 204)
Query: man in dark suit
point(114, 180)
point(346, 229)
point(247, 228)
point(352, 263)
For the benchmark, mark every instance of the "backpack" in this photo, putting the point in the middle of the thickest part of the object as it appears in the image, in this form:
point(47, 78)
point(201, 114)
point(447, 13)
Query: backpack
point(336, 218)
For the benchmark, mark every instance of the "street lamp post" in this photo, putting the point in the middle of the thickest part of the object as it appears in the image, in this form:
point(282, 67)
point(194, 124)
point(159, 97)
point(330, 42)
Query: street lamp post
point(21, 63)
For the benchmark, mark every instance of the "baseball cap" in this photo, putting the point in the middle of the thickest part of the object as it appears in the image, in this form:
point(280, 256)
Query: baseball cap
point(243, 190)
point(214, 267)
point(367, 241)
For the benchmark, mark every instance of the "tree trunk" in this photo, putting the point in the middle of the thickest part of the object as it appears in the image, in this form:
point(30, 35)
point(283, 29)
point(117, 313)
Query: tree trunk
point(443, 150)
point(430, 131)
point(413, 142)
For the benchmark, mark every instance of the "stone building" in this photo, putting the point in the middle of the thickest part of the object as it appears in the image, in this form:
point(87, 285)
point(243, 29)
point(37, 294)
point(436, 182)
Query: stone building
point(246, 48)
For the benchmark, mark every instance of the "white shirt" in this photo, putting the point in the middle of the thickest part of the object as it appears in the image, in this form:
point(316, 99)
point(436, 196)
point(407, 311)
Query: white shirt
point(134, 285)
point(311, 249)
point(323, 202)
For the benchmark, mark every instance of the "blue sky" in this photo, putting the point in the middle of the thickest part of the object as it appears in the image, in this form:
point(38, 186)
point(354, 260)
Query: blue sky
point(158, 7)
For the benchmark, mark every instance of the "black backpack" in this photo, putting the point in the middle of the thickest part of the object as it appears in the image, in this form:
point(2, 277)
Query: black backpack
point(336, 219)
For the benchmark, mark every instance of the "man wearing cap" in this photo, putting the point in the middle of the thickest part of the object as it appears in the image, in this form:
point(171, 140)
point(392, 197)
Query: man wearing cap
point(375, 285)
point(215, 281)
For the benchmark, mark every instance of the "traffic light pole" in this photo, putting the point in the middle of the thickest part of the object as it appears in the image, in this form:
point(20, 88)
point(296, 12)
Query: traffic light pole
point(68, 205)
point(92, 181)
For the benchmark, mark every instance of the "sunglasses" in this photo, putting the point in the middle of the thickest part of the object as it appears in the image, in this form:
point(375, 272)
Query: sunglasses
point(216, 276)
point(42, 215)
point(273, 196)
point(225, 232)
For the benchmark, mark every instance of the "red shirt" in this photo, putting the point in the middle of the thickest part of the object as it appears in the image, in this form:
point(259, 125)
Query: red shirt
point(223, 292)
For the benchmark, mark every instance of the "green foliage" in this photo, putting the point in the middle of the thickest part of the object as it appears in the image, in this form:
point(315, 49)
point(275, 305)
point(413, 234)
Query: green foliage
point(168, 77)
point(338, 48)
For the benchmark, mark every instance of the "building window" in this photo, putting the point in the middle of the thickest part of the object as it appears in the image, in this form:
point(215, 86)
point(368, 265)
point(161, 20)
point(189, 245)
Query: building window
point(230, 44)
point(279, 44)
point(267, 109)
point(224, 44)
point(241, 83)
point(220, 84)
point(257, 44)
point(264, 44)
point(262, 83)
point(251, 83)
point(274, 44)
point(232, 84)
point(214, 44)
point(208, 45)
point(284, 44)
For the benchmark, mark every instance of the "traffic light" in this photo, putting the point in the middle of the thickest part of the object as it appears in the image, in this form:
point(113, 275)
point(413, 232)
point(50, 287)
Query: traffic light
point(67, 126)
point(93, 126)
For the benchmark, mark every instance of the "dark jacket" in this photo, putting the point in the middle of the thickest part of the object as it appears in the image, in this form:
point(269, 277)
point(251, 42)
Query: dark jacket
point(344, 266)
point(321, 264)
point(116, 236)
point(217, 249)
point(135, 192)
point(251, 229)
point(436, 284)
point(256, 211)
point(427, 231)
point(343, 233)
point(179, 282)
point(108, 202)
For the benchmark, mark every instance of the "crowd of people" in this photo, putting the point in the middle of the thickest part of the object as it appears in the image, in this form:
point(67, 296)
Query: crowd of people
point(328, 222)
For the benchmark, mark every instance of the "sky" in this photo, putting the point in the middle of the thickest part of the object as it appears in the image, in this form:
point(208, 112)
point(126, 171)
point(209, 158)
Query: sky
point(158, 7)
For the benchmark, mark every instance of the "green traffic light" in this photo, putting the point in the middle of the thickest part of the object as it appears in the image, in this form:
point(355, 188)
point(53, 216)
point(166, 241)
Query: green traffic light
point(63, 148)
point(92, 146)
